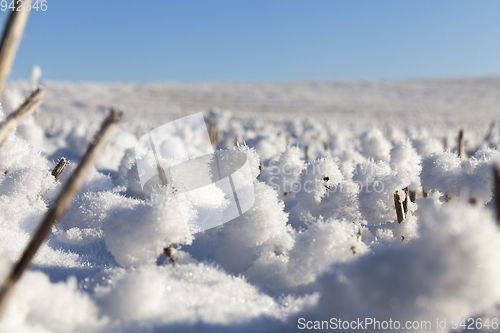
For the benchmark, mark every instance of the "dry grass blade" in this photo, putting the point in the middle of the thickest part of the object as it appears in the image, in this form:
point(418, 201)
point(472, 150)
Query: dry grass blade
point(399, 207)
point(413, 196)
point(11, 37)
point(405, 202)
point(59, 205)
point(213, 132)
point(496, 174)
point(488, 133)
point(15, 118)
point(58, 169)
point(460, 150)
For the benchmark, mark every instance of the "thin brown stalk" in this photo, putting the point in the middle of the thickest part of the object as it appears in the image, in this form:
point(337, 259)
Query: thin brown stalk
point(488, 133)
point(496, 174)
point(399, 207)
point(405, 202)
point(460, 143)
point(213, 132)
point(11, 37)
point(59, 205)
point(15, 118)
point(413, 196)
point(59, 168)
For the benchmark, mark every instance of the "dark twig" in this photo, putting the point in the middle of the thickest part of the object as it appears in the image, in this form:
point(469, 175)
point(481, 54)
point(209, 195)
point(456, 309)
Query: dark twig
point(58, 169)
point(488, 133)
point(496, 173)
point(169, 252)
point(460, 143)
point(399, 207)
point(413, 196)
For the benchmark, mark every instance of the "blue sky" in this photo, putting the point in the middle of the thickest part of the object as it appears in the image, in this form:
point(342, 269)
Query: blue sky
point(219, 40)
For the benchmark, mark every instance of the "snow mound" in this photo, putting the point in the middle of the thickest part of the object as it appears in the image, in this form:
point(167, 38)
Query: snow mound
point(450, 271)
point(260, 231)
point(137, 232)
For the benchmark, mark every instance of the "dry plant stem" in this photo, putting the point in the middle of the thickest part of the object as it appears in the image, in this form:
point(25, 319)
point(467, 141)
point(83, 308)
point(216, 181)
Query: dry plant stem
point(169, 251)
point(15, 118)
point(413, 196)
point(213, 132)
point(58, 169)
point(161, 172)
point(460, 143)
point(399, 207)
point(496, 173)
point(469, 152)
point(11, 37)
point(498, 139)
point(59, 205)
point(424, 194)
point(405, 202)
point(488, 134)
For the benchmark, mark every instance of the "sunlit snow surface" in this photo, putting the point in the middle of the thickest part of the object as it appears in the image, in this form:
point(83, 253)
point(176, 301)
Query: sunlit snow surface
point(321, 240)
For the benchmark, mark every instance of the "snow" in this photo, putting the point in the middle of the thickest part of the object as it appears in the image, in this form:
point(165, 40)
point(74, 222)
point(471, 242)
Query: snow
point(320, 238)
point(262, 230)
point(137, 232)
point(375, 145)
point(316, 180)
point(35, 75)
point(448, 174)
point(378, 185)
point(450, 271)
point(323, 244)
point(159, 294)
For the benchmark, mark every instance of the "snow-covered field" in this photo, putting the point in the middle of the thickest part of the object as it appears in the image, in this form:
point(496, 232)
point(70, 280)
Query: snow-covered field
point(321, 243)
